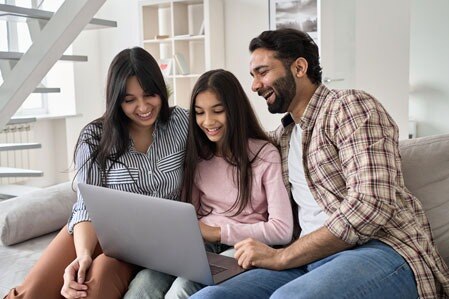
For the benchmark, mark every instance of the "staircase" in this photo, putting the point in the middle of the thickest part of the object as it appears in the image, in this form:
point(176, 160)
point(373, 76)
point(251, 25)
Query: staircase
point(51, 34)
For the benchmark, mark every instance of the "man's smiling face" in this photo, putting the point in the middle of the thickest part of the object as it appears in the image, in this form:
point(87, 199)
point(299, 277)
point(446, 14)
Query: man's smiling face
point(272, 80)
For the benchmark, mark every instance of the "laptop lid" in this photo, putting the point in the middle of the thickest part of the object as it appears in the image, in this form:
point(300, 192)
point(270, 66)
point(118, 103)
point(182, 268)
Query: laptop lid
point(152, 232)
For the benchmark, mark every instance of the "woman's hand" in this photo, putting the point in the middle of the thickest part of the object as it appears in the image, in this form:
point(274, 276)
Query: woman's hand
point(74, 277)
point(211, 234)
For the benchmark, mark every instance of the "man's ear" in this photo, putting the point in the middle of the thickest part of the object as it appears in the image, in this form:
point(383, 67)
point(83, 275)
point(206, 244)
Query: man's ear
point(299, 67)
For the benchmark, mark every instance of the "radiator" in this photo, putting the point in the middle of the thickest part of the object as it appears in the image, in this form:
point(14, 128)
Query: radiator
point(17, 133)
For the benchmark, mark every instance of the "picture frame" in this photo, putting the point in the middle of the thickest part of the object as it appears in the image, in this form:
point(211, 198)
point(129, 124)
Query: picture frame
point(297, 14)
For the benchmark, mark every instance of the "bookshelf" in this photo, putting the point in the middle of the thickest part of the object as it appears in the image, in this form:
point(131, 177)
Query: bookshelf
point(187, 39)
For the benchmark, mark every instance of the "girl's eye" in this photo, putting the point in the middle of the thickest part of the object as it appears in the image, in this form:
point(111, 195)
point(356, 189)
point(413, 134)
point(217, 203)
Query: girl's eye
point(128, 100)
point(199, 112)
point(219, 111)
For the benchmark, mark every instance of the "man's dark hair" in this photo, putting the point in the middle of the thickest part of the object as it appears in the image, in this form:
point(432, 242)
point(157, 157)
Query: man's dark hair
point(290, 44)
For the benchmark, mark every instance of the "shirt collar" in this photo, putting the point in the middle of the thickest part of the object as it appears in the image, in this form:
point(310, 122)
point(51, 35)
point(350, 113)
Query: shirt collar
point(311, 112)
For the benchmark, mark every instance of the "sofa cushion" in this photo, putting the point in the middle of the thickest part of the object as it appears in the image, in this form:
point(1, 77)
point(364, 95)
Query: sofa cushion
point(36, 213)
point(425, 164)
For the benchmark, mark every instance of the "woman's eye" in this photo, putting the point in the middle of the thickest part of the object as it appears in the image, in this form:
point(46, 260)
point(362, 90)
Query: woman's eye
point(219, 111)
point(199, 112)
point(128, 100)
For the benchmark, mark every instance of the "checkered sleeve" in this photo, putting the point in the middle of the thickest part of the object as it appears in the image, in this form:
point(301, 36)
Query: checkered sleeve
point(366, 138)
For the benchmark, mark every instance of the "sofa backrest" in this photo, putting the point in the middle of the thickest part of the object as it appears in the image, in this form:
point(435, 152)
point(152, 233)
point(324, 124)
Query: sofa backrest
point(425, 164)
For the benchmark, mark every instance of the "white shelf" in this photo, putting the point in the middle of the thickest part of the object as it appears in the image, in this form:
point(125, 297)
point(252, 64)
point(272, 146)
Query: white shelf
point(192, 31)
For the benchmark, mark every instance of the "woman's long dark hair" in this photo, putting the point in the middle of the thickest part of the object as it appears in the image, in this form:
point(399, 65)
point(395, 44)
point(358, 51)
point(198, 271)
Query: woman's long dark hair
point(114, 141)
point(241, 124)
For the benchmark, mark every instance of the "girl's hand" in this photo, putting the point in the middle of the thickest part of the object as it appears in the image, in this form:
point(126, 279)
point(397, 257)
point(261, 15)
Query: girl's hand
point(75, 288)
point(211, 234)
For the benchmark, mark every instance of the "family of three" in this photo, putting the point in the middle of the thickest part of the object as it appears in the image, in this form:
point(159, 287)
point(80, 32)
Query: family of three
point(336, 184)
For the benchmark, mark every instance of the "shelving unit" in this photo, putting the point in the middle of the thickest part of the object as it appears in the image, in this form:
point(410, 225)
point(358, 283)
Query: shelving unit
point(188, 36)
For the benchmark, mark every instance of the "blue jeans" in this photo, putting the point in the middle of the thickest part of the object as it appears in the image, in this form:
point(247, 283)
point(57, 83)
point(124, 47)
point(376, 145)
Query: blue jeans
point(373, 270)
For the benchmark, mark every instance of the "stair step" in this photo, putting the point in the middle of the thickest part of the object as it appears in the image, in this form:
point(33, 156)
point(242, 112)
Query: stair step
point(7, 172)
point(14, 13)
point(47, 90)
point(21, 120)
point(18, 55)
point(18, 146)
point(9, 191)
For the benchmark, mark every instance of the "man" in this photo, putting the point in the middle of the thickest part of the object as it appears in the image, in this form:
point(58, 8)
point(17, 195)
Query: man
point(362, 233)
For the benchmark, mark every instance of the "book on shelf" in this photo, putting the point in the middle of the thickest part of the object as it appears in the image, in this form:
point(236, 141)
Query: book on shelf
point(182, 66)
point(166, 66)
point(161, 36)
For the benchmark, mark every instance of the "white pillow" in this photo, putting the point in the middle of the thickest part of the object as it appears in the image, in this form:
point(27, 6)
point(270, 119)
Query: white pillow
point(36, 213)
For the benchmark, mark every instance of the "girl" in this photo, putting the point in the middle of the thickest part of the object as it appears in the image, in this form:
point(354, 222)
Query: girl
point(232, 176)
point(127, 149)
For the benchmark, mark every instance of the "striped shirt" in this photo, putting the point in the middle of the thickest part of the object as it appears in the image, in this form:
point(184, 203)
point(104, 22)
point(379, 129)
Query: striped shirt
point(353, 167)
point(156, 173)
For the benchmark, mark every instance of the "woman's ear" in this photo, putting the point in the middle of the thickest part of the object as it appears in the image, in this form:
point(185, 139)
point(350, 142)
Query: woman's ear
point(300, 66)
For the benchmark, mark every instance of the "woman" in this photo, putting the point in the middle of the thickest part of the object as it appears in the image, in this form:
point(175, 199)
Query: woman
point(232, 176)
point(138, 145)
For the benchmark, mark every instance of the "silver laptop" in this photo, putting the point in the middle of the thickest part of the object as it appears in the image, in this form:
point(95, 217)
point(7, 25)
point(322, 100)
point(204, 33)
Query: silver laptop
point(154, 233)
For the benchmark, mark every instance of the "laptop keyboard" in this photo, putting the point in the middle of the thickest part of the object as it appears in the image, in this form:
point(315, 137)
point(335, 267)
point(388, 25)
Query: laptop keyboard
point(216, 269)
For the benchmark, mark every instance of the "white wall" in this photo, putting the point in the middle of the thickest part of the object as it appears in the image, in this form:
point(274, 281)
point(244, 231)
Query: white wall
point(429, 67)
point(382, 55)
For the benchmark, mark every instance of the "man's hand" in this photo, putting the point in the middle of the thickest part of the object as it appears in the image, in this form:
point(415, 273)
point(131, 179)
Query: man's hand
point(251, 253)
point(75, 288)
point(211, 234)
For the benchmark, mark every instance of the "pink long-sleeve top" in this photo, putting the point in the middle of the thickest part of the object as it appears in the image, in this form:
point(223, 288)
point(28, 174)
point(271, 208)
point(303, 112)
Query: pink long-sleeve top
point(268, 218)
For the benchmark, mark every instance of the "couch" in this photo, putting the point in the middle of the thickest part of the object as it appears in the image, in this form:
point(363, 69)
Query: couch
point(28, 223)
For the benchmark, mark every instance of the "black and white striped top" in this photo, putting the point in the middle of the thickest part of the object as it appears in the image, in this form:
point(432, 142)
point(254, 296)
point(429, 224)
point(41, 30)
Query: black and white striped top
point(157, 172)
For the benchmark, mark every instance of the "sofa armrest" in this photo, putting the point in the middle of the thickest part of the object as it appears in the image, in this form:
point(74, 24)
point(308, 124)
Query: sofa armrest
point(35, 213)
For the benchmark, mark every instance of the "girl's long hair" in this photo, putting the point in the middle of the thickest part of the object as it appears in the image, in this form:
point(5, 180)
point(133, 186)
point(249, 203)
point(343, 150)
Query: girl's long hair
point(241, 124)
point(111, 138)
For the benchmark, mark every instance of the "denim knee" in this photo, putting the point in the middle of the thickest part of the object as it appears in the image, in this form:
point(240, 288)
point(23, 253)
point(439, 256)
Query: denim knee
point(182, 288)
point(149, 284)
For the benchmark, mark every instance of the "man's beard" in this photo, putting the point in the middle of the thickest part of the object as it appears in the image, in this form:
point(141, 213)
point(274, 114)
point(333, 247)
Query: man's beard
point(284, 90)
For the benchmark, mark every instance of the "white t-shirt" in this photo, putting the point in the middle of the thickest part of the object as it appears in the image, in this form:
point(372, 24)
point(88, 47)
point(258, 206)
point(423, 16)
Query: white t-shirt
point(310, 215)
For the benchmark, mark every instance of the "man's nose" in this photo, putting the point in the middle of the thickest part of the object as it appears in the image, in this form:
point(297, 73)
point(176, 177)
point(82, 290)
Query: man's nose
point(256, 85)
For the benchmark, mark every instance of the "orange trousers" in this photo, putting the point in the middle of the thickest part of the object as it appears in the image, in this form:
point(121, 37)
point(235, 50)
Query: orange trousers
point(106, 278)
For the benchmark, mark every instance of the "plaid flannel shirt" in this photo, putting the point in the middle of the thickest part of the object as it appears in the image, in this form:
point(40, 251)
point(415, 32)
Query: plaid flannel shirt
point(353, 168)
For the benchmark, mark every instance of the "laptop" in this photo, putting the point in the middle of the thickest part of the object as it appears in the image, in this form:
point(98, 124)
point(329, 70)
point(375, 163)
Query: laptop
point(154, 233)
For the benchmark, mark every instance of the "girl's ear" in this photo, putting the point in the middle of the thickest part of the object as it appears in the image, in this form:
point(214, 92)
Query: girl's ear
point(299, 67)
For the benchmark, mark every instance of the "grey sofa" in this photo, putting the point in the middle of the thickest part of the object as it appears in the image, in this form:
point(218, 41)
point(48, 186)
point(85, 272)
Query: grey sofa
point(29, 222)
